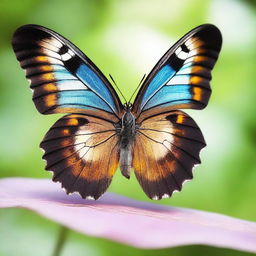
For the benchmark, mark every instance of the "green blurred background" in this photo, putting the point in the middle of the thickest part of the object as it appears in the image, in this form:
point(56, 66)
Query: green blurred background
point(125, 39)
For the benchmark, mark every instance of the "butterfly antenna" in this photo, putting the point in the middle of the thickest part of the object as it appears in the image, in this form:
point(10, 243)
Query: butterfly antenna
point(117, 88)
point(137, 87)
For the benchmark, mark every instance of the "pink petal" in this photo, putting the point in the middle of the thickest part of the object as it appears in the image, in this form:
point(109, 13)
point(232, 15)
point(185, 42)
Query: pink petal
point(139, 224)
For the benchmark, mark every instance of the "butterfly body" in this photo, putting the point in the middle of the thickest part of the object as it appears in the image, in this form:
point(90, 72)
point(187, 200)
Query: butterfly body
point(98, 134)
point(127, 136)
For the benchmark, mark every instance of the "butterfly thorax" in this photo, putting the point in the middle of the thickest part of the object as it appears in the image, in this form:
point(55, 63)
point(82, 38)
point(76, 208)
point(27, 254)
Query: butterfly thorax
point(127, 134)
point(127, 128)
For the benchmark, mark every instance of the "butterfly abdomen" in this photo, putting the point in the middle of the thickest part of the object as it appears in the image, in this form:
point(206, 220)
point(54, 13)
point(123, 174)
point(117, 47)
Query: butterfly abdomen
point(127, 134)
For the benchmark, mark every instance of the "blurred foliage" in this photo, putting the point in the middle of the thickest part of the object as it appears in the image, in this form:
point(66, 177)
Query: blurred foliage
point(126, 38)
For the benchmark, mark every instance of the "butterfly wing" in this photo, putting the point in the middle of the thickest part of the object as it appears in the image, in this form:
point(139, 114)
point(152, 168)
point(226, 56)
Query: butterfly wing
point(181, 78)
point(83, 154)
point(166, 148)
point(80, 149)
point(62, 78)
point(168, 141)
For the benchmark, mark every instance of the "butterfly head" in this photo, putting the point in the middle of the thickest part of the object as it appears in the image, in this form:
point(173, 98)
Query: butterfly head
point(127, 106)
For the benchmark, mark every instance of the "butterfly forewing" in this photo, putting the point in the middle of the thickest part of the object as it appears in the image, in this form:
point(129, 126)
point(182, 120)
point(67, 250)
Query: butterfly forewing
point(62, 78)
point(181, 79)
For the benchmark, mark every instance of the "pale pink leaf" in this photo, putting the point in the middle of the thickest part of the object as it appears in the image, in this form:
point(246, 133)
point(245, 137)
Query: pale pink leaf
point(139, 224)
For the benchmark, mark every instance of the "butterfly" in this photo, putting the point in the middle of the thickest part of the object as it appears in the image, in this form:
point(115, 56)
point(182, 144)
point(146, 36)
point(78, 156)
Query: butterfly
point(98, 134)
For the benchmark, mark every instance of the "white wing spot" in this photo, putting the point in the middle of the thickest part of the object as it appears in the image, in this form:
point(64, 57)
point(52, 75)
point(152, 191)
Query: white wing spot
point(181, 54)
point(54, 42)
point(66, 85)
point(165, 196)
point(51, 44)
point(68, 55)
point(90, 198)
point(50, 53)
point(182, 79)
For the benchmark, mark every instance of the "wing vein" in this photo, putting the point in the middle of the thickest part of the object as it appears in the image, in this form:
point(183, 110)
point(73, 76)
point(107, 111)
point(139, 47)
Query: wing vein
point(179, 136)
point(170, 143)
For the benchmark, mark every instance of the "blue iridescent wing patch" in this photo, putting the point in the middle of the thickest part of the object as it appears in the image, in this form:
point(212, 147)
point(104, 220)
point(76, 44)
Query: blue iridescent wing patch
point(63, 79)
point(181, 78)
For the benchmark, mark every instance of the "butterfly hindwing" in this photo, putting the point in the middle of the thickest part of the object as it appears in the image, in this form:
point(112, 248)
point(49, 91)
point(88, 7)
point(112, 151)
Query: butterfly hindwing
point(166, 149)
point(181, 79)
point(82, 152)
point(62, 78)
